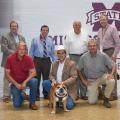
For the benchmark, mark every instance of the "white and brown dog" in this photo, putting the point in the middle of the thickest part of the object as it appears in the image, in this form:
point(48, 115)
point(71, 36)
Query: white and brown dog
point(58, 93)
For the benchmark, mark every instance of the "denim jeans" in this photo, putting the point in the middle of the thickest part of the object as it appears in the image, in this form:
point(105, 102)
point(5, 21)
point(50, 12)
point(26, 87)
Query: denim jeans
point(18, 96)
point(47, 86)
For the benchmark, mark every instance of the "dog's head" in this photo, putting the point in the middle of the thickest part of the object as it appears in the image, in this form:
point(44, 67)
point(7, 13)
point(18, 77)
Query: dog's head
point(61, 91)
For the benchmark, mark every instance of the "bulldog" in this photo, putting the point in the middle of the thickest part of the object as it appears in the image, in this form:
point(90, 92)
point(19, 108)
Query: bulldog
point(58, 93)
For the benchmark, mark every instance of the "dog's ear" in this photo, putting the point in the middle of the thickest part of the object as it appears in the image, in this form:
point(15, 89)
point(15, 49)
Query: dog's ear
point(62, 83)
point(55, 85)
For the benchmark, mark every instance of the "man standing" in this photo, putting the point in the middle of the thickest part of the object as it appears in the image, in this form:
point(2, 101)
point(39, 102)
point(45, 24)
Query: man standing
point(109, 41)
point(20, 72)
point(76, 45)
point(63, 71)
point(97, 69)
point(8, 45)
point(42, 50)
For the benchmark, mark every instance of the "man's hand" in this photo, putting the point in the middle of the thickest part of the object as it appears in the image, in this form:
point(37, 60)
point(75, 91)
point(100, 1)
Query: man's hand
point(110, 76)
point(24, 85)
point(19, 86)
point(53, 83)
point(113, 57)
point(87, 82)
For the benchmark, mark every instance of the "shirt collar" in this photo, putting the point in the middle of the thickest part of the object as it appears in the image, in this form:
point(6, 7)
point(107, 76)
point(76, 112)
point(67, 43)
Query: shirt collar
point(93, 55)
point(16, 55)
point(62, 62)
point(14, 34)
point(41, 38)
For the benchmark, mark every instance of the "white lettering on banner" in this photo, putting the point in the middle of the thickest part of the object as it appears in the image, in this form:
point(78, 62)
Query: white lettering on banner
point(94, 16)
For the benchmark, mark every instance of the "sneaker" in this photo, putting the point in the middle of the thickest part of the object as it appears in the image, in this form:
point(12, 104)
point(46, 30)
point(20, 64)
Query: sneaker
point(33, 106)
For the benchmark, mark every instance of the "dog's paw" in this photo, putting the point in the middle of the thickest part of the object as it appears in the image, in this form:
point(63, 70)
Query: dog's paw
point(66, 110)
point(53, 112)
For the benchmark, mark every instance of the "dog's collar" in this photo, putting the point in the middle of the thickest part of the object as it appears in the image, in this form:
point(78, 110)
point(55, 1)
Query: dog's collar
point(60, 96)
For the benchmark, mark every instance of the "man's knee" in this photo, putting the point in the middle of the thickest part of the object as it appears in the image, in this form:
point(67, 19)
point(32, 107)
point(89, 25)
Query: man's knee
point(92, 100)
point(33, 81)
point(70, 105)
point(111, 81)
point(46, 85)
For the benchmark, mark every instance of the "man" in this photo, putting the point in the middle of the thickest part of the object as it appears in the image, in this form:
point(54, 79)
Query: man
point(109, 41)
point(76, 45)
point(63, 71)
point(8, 46)
point(20, 72)
point(42, 51)
point(97, 69)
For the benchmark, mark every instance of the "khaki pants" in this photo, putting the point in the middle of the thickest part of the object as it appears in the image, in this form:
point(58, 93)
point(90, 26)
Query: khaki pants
point(6, 88)
point(81, 88)
point(93, 88)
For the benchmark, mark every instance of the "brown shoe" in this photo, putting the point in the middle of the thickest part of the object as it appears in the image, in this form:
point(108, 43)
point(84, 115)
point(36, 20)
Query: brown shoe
point(6, 99)
point(33, 106)
point(112, 98)
point(77, 98)
point(84, 97)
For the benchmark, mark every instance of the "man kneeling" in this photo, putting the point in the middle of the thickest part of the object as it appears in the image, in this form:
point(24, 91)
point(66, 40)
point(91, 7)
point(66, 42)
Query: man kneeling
point(63, 71)
point(20, 71)
point(97, 69)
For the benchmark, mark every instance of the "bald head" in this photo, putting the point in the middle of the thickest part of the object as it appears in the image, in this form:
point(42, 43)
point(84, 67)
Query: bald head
point(77, 27)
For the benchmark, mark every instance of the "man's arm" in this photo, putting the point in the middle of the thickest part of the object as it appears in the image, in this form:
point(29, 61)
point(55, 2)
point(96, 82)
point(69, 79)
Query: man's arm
point(82, 77)
point(84, 80)
point(4, 46)
point(10, 79)
point(31, 51)
point(32, 73)
point(72, 76)
point(113, 72)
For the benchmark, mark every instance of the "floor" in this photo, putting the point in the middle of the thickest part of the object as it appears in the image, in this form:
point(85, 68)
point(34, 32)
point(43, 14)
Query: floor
point(82, 111)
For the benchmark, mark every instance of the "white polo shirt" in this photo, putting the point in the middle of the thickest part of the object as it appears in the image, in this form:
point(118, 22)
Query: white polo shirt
point(60, 71)
point(76, 43)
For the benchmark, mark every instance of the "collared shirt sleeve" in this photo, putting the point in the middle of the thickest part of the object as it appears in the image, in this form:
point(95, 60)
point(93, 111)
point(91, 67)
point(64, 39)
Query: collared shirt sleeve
point(108, 61)
point(32, 47)
point(53, 57)
point(66, 43)
point(116, 39)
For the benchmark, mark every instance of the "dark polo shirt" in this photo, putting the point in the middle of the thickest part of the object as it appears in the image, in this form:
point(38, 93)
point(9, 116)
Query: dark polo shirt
point(19, 69)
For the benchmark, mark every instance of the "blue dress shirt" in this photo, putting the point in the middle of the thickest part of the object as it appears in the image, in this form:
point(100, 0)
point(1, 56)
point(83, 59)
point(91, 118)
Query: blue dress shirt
point(36, 49)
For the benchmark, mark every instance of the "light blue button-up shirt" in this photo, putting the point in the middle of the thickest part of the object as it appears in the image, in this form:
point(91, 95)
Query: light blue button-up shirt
point(36, 49)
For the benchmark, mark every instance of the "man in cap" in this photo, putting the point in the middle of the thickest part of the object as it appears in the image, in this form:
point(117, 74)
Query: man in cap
point(63, 71)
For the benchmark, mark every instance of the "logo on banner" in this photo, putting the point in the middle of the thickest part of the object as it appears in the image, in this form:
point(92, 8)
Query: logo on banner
point(100, 9)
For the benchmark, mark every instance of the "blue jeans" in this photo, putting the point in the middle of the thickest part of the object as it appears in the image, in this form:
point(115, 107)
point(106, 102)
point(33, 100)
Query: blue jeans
point(47, 86)
point(18, 96)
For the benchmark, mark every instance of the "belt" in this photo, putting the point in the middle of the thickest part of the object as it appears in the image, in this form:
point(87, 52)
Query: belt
point(93, 78)
point(111, 48)
point(41, 58)
point(78, 54)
